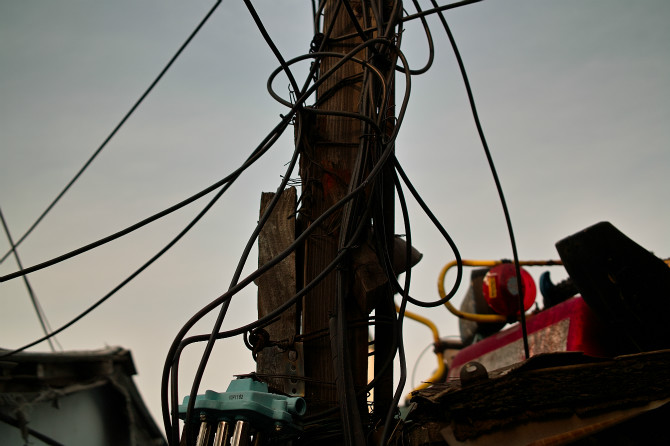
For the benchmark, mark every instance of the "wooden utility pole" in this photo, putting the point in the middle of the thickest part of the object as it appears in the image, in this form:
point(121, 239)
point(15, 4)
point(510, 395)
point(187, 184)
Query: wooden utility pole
point(326, 168)
point(337, 151)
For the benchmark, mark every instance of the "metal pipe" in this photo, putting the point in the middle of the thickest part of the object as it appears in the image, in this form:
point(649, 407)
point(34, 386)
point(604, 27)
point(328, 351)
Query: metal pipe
point(203, 434)
point(258, 439)
point(241, 434)
point(222, 434)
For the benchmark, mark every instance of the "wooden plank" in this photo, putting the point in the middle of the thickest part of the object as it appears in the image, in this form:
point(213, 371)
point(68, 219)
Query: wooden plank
point(277, 285)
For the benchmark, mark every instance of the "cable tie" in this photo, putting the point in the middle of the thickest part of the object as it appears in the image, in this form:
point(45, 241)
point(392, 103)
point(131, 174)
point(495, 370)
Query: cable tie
point(316, 43)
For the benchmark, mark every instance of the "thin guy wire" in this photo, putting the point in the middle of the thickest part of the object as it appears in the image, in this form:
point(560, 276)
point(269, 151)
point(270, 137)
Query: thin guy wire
point(41, 315)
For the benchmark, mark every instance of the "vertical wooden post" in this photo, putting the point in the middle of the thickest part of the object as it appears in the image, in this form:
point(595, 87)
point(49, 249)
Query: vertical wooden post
point(325, 168)
point(277, 286)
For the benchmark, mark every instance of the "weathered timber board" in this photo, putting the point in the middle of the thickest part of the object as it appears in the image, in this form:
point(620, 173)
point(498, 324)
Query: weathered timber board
point(279, 284)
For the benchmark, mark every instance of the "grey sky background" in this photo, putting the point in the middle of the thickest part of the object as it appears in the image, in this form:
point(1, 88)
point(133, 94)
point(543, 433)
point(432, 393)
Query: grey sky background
point(573, 98)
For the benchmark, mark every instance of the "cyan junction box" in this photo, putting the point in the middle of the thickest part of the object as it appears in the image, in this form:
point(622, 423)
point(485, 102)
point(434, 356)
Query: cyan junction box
point(249, 400)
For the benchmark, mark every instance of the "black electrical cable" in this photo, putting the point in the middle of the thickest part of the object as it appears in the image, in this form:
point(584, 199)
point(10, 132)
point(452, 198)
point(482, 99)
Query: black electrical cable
point(445, 235)
point(316, 27)
point(224, 308)
point(40, 436)
point(243, 283)
point(429, 39)
point(352, 427)
point(438, 9)
point(378, 17)
point(400, 347)
point(338, 324)
point(319, 39)
point(236, 275)
point(394, 18)
point(114, 131)
point(179, 343)
point(408, 18)
point(261, 150)
point(216, 303)
point(426, 209)
point(271, 44)
point(401, 314)
point(383, 141)
point(385, 58)
point(317, 12)
point(389, 140)
point(238, 287)
point(241, 330)
point(496, 179)
point(386, 141)
point(371, 384)
point(176, 349)
point(380, 232)
point(258, 152)
point(381, 238)
point(401, 311)
point(354, 20)
point(390, 359)
point(116, 235)
point(315, 55)
point(123, 283)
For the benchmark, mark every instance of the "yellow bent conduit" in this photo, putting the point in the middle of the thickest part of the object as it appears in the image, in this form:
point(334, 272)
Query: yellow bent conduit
point(441, 369)
point(485, 318)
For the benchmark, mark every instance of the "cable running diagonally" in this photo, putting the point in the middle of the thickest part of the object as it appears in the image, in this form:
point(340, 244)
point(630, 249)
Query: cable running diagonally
point(113, 132)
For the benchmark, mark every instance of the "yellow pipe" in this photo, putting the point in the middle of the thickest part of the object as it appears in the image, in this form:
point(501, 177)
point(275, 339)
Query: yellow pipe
point(484, 318)
point(441, 368)
point(439, 373)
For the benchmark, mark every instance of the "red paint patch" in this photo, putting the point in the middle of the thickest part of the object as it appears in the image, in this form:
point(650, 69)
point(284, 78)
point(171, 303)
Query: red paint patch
point(329, 182)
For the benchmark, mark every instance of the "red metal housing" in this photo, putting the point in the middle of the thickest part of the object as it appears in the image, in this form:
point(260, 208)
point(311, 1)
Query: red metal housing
point(568, 326)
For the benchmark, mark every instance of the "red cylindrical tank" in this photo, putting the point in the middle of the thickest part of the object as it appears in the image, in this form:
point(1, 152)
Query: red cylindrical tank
point(501, 289)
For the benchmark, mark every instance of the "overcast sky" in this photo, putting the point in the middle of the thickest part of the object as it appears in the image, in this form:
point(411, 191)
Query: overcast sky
point(573, 96)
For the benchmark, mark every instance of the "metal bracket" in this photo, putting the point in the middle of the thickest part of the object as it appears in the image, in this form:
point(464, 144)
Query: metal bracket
point(294, 364)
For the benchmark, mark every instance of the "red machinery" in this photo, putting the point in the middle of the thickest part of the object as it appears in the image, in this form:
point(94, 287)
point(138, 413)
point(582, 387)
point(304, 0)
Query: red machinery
point(622, 309)
point(568, 326)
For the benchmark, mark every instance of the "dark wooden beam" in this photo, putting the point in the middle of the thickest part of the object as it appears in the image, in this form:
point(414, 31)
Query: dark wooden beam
point(276, 287)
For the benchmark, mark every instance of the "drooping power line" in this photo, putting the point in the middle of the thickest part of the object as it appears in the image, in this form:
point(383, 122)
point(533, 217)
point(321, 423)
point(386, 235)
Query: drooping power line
point(113, 132)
